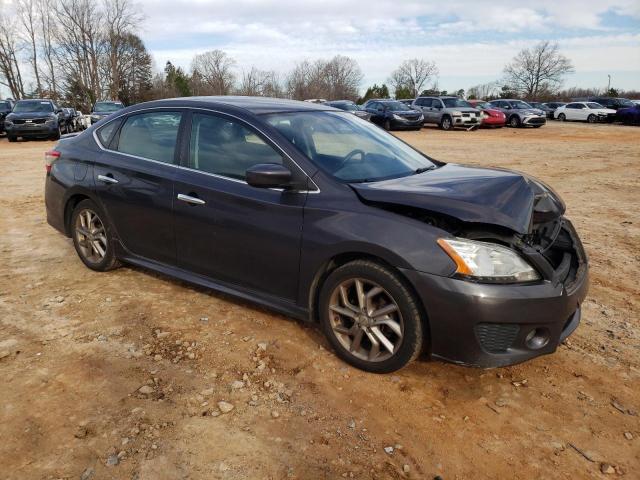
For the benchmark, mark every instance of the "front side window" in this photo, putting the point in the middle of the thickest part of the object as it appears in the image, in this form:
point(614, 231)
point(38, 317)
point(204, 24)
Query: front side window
point(348, 149)
point(150, 135)
point(225, 147)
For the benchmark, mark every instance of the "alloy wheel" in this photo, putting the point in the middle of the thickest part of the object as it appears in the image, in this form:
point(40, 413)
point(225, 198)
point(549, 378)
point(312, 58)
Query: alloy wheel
point(91, 236)
point(446, 123)
point(366, 320)
point(591, 118)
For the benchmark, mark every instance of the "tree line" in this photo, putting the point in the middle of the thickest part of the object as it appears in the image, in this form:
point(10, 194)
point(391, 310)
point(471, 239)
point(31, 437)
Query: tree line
point(80, 51)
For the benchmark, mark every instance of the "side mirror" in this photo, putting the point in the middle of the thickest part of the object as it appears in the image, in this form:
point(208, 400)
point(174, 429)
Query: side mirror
point(268, 175)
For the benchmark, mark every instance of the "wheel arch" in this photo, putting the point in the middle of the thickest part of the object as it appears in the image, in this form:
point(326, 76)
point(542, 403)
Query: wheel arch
point(73, 198)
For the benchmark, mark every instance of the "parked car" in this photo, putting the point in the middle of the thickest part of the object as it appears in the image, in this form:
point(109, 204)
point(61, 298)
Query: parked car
point(520, 113)
point(82, 122)
point(637, 102)
point(316, 100)
point(491, 117)
point(349, 106)
point(69, 116)
point(448, 112)
point(407, 101)
point(104, 109)
point(552, 106)
point(613, 103)
point(393, 115)
point(591, 112)
point(5, 108)
point(314, 213)
point(548, 111)
point(630, 115)
point(37, 118)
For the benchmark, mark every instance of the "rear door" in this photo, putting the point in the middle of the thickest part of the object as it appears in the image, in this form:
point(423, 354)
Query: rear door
point(226, 229)
point(134, 180)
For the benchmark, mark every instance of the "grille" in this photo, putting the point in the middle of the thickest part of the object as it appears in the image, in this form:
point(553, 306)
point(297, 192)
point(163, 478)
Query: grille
point(412, 117)
point(496, 337)
point(537, 120)
point(35, 121)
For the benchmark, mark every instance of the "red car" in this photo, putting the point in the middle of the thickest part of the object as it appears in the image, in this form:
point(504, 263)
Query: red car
point(492, 117)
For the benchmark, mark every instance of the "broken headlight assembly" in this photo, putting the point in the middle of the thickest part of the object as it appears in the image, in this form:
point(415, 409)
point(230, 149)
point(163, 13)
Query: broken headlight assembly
point(487, 262)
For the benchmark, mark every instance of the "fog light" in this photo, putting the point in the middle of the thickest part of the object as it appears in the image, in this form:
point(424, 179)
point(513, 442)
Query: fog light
point(537, 338)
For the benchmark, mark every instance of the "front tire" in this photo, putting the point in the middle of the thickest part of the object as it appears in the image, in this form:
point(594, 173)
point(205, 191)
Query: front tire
point(446, 123)
point(57, 134)
point(12, 138)
point(514, 121)
point(562, 117)
point(592, 118)
point(370, 317)
point(92, 237)
point(387, 125)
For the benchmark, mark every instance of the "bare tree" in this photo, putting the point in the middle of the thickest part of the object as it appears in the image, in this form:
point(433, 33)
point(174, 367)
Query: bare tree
point(413, 74)
point(343, 77)
point(28, 14)
point(121, 18)
point(215, 70)
point(256, 82)
point(47, 32)
point(10, 74)
point(484, 91)
point(537, 71)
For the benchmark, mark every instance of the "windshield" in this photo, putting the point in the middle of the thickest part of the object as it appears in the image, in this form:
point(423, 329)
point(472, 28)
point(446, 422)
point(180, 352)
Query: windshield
point(626, 103)
point(349, 107)
point(397, 106)
point(594, 105)
point(483, 105)
point(348, 148)
point(519, 104)
point(107, 107)
point(32, 106)
point(456, 102)
point(5, 106)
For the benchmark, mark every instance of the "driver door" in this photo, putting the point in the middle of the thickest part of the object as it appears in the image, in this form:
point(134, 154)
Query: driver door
point(226, 229)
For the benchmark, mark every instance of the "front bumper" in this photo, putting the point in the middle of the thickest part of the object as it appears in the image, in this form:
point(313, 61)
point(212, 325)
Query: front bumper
point(493, 121)
point(534, 120)
point(400, 124)
point(466, 121)
point(487, 325)
point(31, 130)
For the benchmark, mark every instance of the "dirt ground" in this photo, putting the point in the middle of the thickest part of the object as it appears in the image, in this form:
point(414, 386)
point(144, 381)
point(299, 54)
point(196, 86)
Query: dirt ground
point(77, 346)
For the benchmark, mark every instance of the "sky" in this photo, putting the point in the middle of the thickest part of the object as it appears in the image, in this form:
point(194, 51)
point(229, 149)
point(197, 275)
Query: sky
point(470, 40)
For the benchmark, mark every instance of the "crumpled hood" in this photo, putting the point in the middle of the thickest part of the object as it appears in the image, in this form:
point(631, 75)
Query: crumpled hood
point(471, 194)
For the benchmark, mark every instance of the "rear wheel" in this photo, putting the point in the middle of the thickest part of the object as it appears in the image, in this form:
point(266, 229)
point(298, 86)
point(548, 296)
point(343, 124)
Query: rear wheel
point(562, 117)
point(591, 118)
point(370, 317)
point(514, 121)
point(92, 237)
point(446, 123)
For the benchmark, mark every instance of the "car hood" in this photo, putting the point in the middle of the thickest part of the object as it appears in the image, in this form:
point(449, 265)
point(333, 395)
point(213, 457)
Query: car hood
point(463, 109)
point(471, 194)
point(531, 111)
point(28, 115)
point(604, 110)
point(404, 113)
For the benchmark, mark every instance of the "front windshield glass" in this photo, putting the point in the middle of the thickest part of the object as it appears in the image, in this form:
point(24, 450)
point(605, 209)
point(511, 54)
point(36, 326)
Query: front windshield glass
point(483, 105)
point(456, 103)
point(107, 107)
point(397, 106)
point(349, 107)
point(626, 103)
point(32, 106)
point(348, 148)
point(519, 104)
point(594, 105)
point(5, 105)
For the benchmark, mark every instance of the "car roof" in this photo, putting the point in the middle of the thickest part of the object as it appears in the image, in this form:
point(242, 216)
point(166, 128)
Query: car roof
point(32, 100)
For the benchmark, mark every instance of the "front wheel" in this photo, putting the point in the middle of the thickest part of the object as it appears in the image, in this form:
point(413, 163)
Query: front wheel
point(370, 317)
point(446, 123)
point(57, 134)
point(92, 237)
point(387, 125)
point(591, 118)
point(514, 121)
point(562, 117)
point(12, 138)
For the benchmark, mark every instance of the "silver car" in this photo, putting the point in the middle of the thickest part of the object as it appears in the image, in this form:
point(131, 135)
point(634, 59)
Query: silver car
point(519, 113)
point(448, 112)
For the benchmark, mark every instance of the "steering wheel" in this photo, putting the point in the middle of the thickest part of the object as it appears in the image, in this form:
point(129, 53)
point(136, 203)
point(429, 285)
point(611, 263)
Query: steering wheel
point(349, 156)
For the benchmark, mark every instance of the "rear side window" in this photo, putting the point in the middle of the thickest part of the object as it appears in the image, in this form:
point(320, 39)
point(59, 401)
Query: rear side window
point(225, 147)
point(150, 135)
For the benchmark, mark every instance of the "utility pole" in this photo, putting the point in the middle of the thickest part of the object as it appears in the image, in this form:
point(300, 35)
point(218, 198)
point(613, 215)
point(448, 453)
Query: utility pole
point(609, 84)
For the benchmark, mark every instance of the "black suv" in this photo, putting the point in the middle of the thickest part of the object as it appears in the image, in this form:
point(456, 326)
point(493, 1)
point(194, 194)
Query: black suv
point(613, 103)
point(5, 108)
point(394, 115)
point(104, 109)
point(37, 118)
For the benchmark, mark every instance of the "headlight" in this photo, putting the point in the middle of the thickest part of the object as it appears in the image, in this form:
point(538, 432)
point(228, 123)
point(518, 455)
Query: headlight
point(456, 113)
point(421, 117)
point(8, 122)
point(487, 262)
point(51, 120)
point(397, 117)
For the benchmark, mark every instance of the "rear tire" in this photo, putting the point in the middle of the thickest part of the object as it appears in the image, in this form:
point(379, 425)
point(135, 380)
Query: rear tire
point(92, 237)
point(376, 326)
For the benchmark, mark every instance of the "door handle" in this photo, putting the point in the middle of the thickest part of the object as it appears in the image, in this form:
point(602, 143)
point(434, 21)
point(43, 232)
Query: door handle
point(107, 179)
point(190, 199)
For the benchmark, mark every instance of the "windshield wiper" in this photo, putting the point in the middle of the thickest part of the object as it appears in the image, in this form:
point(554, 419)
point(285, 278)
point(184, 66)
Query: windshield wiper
point(424, 169)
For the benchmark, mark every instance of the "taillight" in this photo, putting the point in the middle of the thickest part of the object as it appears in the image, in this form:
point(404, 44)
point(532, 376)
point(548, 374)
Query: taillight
point(49, 158)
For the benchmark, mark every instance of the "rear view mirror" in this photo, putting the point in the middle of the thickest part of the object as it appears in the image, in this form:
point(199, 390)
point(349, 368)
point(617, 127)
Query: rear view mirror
point(268, 175)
